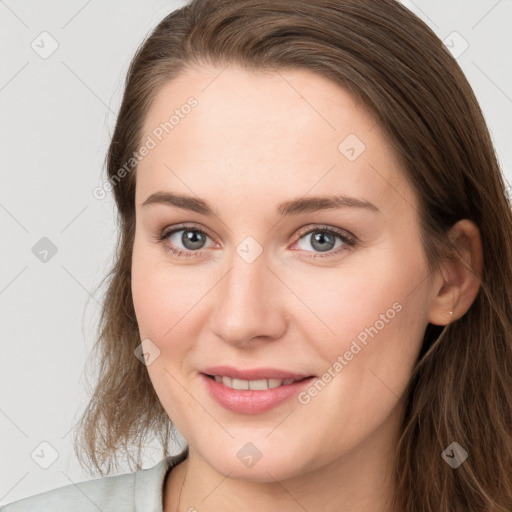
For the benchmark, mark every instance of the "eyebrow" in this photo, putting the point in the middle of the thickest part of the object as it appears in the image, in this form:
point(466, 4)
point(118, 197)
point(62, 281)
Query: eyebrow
point(291, 207)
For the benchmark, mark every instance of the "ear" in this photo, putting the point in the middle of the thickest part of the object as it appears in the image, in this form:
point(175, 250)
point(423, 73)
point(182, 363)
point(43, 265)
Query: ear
point(456, 287)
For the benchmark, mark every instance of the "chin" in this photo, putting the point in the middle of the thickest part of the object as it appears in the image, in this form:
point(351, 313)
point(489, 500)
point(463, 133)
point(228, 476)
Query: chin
point(257, 461)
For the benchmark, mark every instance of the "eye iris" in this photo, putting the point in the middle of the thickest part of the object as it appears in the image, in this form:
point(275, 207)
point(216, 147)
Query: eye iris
point(321, 237)
point(194, 237)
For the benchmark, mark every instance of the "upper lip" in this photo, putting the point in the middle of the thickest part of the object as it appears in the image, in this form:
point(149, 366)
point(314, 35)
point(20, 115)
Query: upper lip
point(253, 373)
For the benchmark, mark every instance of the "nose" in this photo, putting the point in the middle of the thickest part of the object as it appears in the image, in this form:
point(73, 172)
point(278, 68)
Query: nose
point(249, 303)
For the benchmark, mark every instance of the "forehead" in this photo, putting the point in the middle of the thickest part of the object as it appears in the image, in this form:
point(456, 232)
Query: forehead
point(271, 134)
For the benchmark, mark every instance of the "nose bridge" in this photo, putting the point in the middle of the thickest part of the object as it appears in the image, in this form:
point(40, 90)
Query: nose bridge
point(247, 299)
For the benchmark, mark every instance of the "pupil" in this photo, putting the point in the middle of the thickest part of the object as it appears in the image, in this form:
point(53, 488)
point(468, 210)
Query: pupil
point(194, 238)
point(322, 237)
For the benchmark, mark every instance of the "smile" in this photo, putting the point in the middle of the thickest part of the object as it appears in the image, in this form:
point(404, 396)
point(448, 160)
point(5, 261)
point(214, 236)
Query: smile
point(258, 385)
point(253, 396)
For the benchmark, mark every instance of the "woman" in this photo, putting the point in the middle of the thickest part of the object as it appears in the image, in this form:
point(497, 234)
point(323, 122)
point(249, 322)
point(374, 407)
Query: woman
point(370, 374)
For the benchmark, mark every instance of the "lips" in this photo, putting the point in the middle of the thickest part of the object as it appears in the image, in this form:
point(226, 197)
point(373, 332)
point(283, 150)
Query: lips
point(252, 391)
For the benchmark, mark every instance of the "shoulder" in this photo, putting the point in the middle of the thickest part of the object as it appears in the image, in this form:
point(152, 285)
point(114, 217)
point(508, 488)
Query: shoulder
point(140, 490)
point(105, 493)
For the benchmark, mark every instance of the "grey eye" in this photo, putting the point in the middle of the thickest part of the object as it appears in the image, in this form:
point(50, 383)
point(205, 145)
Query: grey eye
point(192, 239)
point(320, 240)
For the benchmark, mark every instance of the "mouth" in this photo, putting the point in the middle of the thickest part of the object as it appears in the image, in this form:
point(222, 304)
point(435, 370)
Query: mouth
point(252, 391)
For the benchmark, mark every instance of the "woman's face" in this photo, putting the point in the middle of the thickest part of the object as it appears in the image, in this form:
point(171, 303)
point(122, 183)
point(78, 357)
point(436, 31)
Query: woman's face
point(271, 280)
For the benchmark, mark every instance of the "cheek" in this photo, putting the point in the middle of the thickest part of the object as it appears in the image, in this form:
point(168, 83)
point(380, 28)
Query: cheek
point(372, 316)
point(369, 361)
point(162, 295)
point(163, 298)
point(343, 304)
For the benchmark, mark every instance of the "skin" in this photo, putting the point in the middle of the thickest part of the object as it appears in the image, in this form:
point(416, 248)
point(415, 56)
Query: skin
point(254, 140)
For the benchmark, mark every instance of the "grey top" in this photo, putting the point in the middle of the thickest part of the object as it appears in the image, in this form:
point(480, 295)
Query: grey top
point(140, 491)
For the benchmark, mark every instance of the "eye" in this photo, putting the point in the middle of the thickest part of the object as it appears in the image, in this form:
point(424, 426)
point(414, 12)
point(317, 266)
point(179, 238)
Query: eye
point(191, 238)
point(323, 239)
point(188, 240)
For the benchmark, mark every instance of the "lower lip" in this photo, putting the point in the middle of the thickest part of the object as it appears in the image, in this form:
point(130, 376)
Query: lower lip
point(252, 401)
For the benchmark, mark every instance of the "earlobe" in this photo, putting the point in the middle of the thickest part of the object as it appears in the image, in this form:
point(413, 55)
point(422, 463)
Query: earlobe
point(456, 288)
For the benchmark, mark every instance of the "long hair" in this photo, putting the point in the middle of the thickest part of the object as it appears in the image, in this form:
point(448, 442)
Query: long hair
point(391, 61)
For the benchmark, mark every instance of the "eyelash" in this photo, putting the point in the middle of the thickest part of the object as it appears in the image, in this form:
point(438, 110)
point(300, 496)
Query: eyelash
point(349, 240)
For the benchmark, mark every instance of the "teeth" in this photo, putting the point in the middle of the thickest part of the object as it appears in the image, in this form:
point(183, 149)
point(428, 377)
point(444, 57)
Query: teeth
point(260, 384)
point(274, 383)
point(239, 384)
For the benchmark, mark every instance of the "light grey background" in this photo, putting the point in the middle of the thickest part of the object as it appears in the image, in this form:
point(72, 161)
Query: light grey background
point(57, 114)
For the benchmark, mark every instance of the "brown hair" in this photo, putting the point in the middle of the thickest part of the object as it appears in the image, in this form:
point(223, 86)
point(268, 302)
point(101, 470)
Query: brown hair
point(386, 57)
